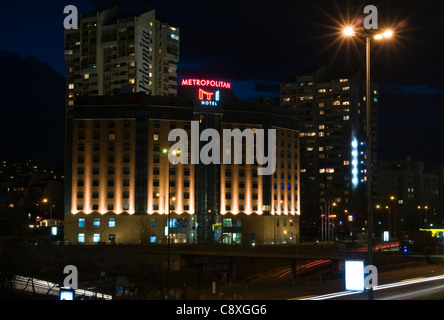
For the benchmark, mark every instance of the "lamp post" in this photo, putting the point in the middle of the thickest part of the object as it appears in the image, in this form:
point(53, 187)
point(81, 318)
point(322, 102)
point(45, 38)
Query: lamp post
point(45, 200)
point(172, 154)
point(390, 227)
point(420, 218)
point(392, 199)
point(351, 32)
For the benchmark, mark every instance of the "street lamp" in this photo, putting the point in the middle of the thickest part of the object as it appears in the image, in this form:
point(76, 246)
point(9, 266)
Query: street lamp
point(350, 31)
point(426, 208)
point(174, 153)
point(45, 200)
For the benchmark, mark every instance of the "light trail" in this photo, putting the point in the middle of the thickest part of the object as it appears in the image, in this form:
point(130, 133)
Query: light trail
point(381, 287)
point(286, 271)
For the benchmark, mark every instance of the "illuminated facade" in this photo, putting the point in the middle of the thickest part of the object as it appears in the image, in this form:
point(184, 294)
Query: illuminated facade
point(332, 114)
point(113, 53)
point(124, 189)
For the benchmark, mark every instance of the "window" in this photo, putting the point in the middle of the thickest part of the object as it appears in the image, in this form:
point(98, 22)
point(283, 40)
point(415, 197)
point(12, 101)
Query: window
point(81, 237)
point(125, 207)
point(81, 222)
point(96, 222)
point(112, 222)
point(96, 237)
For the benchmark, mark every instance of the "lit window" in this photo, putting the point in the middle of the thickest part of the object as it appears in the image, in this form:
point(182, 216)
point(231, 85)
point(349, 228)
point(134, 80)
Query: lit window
point(81, 237)
point(96, 237)
point(81, 223)
point(86, 76)
point(71, 86)
point(112, 223)
point(97, 222)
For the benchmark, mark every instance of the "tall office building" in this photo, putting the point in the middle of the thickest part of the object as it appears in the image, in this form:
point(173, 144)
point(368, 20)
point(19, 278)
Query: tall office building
point(123, 187)
point(331, 110)
point(113, 53)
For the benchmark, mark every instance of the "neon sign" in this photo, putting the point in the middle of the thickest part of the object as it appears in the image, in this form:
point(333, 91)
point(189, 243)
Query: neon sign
point(206, 98)
point(355, 172)
point(206, 83)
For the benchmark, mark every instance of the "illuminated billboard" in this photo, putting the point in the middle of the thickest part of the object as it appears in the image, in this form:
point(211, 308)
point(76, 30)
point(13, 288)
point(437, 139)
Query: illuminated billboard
point(206, 93)
point(354, 276)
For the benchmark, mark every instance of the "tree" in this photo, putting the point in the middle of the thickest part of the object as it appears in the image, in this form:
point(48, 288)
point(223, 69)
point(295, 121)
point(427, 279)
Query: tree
point(425, 243)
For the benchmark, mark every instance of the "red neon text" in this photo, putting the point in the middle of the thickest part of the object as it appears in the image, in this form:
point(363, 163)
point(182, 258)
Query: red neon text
point(206, 83)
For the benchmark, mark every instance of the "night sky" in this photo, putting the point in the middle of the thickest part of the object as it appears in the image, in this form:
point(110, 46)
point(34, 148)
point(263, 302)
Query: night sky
point(255, 44)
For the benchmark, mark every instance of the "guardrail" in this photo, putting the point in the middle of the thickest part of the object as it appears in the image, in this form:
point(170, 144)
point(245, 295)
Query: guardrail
point(44, 287)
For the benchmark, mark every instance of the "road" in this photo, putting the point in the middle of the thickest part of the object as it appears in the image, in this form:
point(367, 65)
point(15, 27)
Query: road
point(421, 288)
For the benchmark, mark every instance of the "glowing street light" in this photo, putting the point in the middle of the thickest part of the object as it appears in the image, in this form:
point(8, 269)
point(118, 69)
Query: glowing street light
point(349, 31)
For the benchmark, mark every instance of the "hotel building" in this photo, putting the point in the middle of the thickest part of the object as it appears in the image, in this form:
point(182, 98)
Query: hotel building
point(112, 53)
point(122, 187)
point(331, 110)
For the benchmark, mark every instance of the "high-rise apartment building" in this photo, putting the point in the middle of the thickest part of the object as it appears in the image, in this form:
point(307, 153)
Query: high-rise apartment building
point(331, 110)
point(114, 53)
point(123, 188)
point(412, 193)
